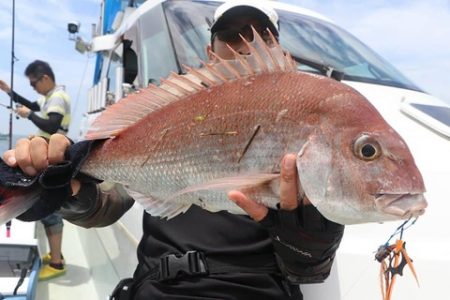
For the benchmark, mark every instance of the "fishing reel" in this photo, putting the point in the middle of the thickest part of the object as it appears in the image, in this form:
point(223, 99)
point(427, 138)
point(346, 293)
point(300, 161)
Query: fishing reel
point(11, 110)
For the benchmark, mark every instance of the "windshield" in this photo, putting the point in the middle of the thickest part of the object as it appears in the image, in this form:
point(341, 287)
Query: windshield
point(304, 37)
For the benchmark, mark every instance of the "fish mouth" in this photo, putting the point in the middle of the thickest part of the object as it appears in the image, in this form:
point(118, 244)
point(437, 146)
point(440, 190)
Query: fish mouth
point(403, 206)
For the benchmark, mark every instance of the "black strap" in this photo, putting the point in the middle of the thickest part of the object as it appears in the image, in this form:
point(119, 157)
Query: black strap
point(257, 263)
point(196, 263)
point(23, 273)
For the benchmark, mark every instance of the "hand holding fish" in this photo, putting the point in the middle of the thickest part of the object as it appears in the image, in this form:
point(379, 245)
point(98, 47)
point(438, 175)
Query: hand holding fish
point(35, 154)
point(288, 192)
point(296, 228)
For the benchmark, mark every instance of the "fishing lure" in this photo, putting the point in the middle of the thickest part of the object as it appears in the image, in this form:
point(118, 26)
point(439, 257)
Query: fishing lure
point(393, 259)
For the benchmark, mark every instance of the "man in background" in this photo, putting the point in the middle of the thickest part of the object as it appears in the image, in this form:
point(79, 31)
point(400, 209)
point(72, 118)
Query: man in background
point(54, 117)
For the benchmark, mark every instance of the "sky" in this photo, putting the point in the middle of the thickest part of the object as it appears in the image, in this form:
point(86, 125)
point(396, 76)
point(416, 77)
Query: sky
point(413, 35)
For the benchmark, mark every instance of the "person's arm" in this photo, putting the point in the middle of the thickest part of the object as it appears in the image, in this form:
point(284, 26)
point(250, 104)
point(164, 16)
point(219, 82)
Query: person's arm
point(305, 243)
point(50, 125)
point(17, 98)
point(34, 106)
point(96, 205)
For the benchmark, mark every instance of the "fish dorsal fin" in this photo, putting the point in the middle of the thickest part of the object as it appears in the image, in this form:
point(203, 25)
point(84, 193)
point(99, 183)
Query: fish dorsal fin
point(136, 106)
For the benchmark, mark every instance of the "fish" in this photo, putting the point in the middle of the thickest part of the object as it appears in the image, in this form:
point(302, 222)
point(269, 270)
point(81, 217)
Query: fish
point(227, 125)
point(15, 199)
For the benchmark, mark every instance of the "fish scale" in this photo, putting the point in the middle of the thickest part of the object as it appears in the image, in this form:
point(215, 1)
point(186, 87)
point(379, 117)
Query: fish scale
point(184, 142)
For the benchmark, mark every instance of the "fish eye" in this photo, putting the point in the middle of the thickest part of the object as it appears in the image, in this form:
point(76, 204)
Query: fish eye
point(366, 148)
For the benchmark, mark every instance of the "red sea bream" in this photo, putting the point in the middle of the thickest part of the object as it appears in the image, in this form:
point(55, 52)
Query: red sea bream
point(228, 125)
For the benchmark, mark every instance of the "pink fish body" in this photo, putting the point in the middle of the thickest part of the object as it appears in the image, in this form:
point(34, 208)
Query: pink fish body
point(232, 135)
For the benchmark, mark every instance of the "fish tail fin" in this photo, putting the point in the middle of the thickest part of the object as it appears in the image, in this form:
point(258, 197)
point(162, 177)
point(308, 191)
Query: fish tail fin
point(15, 201)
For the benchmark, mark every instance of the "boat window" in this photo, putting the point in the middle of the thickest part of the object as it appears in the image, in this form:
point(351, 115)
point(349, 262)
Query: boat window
point(328, 44)
point(189, 27)
point(440, 113)
point(156, 55)
point(305, 37)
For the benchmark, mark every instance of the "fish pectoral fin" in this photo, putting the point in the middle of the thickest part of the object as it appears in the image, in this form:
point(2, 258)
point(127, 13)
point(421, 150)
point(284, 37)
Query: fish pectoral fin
point(242, 182)
point(159, 208)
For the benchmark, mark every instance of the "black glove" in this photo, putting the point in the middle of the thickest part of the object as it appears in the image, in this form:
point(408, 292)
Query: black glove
point(305, 242)
point(55, 182)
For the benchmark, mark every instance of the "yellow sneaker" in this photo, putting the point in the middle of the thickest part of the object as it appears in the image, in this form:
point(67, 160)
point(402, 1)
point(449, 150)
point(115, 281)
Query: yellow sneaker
point(47, 258)
point(48, 272)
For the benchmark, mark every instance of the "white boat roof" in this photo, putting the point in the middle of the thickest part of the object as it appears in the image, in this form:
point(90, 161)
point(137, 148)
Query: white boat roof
point(110, 41)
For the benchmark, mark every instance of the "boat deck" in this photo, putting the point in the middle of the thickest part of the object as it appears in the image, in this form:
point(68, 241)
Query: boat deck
point(77, 283)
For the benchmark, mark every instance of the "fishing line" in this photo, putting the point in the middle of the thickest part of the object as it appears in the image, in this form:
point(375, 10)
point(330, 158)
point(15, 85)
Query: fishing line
point(400, 229)
point(81, 85)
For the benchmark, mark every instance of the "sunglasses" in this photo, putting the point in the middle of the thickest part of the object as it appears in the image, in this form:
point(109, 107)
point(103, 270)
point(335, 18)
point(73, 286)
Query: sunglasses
point(33, 83)
point(233, 35)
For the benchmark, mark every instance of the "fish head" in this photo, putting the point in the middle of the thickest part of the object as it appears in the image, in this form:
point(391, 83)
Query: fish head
point(361, 172)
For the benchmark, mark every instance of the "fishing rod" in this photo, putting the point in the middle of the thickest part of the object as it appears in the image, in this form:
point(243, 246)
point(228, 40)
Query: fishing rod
point(13, 58)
